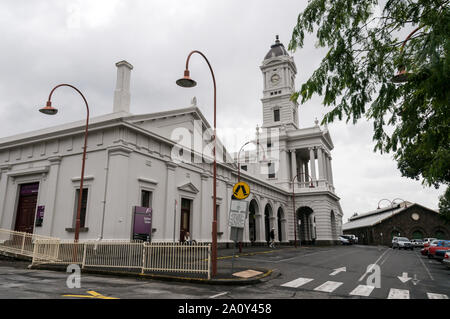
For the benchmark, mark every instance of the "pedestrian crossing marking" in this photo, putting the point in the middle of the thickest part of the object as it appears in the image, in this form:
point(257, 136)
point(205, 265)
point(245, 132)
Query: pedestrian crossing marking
point(329, 286)
point(297, 282)
point(362, 290)
point(398, 294)
point(436, 296)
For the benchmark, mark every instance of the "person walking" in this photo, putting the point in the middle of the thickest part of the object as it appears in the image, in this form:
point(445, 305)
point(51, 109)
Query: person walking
point(272, 238)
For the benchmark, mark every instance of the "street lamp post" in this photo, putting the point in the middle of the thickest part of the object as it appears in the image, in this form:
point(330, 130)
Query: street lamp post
point(49, 110)
point(293, 203)
point(187, 82)
point(239, 168)
point(402, 75)
point(239, 155)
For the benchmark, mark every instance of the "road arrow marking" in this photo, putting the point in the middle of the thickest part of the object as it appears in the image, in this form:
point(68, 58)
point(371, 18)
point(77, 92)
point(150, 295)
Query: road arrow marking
point(338, 270)
point(404, 278)
point(415, 281)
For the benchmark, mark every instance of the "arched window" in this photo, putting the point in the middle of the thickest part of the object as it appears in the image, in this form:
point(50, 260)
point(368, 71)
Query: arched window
point(417, 234)
point(439, 234)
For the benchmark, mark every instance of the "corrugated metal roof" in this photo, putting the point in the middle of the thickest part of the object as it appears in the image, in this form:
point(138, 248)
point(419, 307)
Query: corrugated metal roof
point(373, 217)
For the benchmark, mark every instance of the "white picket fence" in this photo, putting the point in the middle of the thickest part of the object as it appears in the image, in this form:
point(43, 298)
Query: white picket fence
point(128, 256)
point(21, 243)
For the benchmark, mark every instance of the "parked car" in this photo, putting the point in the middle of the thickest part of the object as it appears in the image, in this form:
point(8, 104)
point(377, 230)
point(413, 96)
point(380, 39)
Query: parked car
point(401, 242)
point(440, 246)
point(352, 238)
point(427, 245)
point(428, 240)
point(417, 243)
point(446, 259)
point(344, 240)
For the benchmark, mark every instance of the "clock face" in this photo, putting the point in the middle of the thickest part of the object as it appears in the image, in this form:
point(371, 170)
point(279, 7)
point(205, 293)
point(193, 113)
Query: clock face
point(275, 78)
point(415, 216)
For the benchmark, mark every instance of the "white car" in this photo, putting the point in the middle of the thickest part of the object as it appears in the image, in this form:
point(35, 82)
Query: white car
point(402, 242)
point(344, 241)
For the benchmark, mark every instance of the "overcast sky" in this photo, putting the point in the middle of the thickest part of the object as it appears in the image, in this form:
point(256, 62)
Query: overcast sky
point(44, 43)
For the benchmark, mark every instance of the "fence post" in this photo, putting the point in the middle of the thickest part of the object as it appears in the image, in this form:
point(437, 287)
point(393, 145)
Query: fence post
point(143, 258)
point(35, 249)
point(23, 242)
point(209, 262)
point(83, 263)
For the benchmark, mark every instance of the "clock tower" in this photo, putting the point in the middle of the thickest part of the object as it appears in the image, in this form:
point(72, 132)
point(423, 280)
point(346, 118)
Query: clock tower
point(279, 72)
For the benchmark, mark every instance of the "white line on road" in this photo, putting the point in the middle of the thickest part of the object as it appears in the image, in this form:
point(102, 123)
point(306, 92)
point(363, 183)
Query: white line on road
point(329, 286)
point(398, 294)
point(429, 274)
point(218, 295)
point(362, 290)
point(436, 296)
point(370, 268)
point(297, 282)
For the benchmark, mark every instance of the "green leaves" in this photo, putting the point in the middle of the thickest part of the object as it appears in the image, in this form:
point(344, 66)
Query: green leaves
point(355, 77)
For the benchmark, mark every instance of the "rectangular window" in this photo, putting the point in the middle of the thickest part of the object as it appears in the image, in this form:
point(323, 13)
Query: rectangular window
point(271, 170)
point(276, 115)
point(83, 207)
point(218, 217)
point(146, 198)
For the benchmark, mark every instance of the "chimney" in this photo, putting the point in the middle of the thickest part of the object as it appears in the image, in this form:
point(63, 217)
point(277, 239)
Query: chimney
point(122, 92)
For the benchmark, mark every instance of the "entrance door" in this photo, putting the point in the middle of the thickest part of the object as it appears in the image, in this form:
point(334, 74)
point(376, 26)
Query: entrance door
point(185, 218)
point(26, 208)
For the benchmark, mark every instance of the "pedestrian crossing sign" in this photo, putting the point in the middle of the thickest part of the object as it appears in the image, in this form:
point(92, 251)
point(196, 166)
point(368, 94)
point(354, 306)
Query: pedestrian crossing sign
point(241, 190)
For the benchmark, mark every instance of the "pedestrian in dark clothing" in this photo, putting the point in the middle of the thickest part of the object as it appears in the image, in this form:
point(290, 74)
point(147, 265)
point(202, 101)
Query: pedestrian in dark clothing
point(272, 238)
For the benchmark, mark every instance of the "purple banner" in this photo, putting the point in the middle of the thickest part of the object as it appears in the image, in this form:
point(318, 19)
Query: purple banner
point(142, 222)
point(40, 215)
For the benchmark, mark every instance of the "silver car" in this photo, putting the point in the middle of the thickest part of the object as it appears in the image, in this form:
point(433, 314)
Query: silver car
point(402, 242)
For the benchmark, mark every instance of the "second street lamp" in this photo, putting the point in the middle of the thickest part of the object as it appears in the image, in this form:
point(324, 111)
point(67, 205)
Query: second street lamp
point(187, 82)
point(50, 110)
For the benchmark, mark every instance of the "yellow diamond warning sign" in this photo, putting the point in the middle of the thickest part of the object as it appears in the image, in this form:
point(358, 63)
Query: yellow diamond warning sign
point(241, 190)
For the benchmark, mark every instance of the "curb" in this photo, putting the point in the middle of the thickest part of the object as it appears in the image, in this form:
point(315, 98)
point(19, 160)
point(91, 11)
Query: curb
point(225, 281)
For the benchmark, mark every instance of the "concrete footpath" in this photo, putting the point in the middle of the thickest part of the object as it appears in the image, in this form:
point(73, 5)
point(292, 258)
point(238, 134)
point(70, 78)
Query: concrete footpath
point(231, 270)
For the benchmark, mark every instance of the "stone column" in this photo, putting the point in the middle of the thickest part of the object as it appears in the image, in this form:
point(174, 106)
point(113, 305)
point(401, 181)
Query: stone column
point(293, 163)
point(3, 190)
point(330, 171)
point(170, 226)
point(321, 161)
point(50, 199)
point(117, 208)
point(282, 167)
point(204, 207)
point(312, 163)
point(301, 176)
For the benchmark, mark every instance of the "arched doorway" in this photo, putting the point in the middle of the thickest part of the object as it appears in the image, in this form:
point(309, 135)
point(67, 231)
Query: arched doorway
point(267, 217)
point(305, 225)
point(253, 211)
point(280, 218)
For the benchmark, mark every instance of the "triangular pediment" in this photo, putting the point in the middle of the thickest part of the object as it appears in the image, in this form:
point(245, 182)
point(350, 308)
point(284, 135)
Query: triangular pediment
point(188, 187)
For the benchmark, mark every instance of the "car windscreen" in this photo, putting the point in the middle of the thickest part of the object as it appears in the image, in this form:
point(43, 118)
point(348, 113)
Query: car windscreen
point(403, 239)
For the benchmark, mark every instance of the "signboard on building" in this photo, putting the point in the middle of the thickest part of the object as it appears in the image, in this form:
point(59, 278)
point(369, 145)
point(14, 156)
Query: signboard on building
point(40, 215)
point(142, 226)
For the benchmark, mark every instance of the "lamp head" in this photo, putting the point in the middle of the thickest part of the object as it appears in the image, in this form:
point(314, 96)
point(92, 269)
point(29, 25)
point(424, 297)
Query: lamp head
point(48, 109)
point(400, 77)
point(186, 81)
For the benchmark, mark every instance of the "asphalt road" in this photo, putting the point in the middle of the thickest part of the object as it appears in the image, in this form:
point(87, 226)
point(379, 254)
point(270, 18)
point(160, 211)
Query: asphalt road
point(303, 273)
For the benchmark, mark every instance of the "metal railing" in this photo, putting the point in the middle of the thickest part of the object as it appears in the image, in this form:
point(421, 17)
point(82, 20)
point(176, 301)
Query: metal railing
point(127, 256)
point(21, 243)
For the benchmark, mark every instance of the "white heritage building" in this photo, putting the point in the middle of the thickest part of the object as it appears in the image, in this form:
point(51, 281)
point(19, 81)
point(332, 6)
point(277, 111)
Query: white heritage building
point(130, 163)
